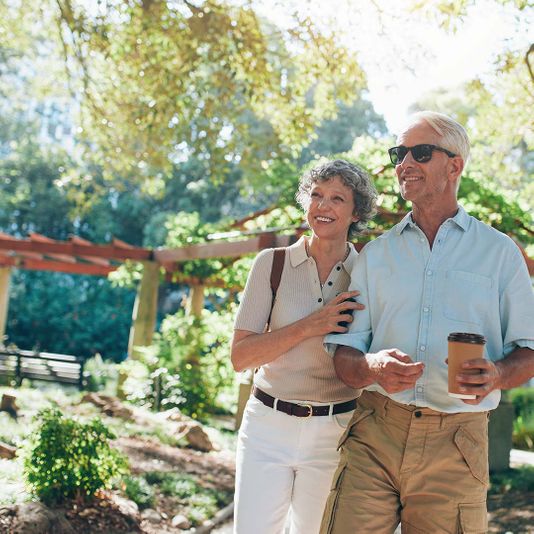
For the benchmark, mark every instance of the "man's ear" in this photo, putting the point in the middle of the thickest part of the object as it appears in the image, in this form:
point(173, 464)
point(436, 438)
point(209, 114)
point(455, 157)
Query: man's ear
point(456, 166)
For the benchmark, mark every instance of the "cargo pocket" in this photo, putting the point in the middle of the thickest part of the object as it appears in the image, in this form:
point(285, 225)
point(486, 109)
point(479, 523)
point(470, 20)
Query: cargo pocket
point(356, 418)
point(475, 455)
point(331, 504)
point(473, 518)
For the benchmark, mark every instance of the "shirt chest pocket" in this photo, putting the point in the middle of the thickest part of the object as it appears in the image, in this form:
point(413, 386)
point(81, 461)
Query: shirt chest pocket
point(467, 297)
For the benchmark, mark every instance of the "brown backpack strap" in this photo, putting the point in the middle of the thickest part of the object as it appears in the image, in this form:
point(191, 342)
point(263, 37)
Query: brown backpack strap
point(279, 257)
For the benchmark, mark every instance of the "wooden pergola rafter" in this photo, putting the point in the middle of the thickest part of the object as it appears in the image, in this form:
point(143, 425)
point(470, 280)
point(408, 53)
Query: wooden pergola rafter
point(80, 256)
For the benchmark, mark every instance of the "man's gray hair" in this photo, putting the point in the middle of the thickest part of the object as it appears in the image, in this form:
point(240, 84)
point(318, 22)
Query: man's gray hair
point(453, 135)
point(363, 191)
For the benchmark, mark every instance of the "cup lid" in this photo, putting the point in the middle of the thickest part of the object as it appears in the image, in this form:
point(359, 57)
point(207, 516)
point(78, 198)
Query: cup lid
point(467, 337)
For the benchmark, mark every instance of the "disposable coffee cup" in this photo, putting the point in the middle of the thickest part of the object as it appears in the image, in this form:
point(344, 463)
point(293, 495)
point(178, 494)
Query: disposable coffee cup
point(463, 346)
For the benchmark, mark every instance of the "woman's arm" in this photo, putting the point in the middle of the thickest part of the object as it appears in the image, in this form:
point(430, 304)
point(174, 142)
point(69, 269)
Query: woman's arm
point(250, 349)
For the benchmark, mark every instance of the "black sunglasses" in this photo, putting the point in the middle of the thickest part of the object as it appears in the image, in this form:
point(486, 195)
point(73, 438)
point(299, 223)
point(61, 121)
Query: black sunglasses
point(420, 153)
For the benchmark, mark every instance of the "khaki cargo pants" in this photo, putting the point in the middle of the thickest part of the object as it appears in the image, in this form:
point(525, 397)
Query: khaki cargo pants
point(426, 469)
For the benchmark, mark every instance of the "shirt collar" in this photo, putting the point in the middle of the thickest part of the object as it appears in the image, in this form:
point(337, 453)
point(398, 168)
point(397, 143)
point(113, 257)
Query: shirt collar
point(298, 254)
point(461, 219)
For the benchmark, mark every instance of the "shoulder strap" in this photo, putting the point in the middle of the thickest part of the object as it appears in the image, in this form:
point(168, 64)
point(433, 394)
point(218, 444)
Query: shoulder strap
point(279, 257)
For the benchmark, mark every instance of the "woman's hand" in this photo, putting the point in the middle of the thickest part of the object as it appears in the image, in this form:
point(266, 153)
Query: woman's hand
point(251, 350)
point(327, 319)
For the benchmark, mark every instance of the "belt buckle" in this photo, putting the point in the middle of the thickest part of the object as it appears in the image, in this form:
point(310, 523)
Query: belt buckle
point(310, 408)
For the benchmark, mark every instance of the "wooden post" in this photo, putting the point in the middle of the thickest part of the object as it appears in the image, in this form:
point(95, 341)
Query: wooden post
point(195, 303)
point(194, 307)
point(5, 273)
point(145, 309)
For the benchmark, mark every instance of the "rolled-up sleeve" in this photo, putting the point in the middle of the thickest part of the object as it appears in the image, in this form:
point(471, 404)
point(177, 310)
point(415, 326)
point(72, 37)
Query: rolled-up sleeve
point(255, 305)
point(517, 306)
point(359, 335)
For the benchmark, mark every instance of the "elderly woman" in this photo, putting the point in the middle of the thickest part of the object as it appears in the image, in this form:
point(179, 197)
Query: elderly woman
point(286, 452)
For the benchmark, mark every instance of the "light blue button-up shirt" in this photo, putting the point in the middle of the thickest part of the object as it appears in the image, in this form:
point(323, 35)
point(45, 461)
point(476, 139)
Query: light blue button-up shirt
point(474, 279)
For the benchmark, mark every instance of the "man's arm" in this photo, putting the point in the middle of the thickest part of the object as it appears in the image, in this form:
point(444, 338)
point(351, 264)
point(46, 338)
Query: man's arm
point(391, 369)
point(512, 371)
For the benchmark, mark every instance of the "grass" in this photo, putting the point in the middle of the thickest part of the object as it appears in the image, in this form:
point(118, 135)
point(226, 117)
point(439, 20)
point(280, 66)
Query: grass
point(200, 502)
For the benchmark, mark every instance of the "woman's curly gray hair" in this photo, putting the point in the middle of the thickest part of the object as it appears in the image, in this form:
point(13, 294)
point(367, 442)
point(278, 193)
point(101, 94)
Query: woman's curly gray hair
point(363, 191)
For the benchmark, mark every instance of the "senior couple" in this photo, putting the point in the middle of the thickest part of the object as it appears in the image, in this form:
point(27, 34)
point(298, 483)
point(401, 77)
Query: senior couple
point(350, 428)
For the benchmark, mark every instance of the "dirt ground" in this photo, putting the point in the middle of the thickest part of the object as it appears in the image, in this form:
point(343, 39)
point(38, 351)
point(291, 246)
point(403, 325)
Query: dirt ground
point(509, 513)
point(512, 513)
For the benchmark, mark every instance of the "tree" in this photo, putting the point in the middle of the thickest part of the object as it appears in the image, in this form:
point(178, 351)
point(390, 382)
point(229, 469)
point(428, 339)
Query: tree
point(159, 81)
point(495, 105)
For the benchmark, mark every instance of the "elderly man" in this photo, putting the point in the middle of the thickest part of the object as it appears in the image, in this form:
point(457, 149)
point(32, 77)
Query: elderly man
point(412, 453)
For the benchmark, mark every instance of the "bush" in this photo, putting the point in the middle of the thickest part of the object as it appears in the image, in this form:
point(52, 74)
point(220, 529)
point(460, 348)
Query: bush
point(70, 459)
point(523, 401)
point(518, 479)
point(188, 366)
point(139, 491)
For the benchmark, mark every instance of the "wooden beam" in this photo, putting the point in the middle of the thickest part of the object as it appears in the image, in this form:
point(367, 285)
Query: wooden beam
point(57, 266)
point(222, 250)
point(75, 249)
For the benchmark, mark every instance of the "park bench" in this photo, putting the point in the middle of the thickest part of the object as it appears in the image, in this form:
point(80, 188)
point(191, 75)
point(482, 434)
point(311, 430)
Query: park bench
point(47, 366)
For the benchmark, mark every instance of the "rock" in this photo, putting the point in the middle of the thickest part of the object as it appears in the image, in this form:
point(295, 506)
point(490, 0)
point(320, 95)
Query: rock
point(151, 515)
point(196, 437)
point(9, 404)
point(96, 399)
point(126, 507)
point(181, 522)
point(111, 406)
point(36, 518)
point(174, 414)
point(7, 451)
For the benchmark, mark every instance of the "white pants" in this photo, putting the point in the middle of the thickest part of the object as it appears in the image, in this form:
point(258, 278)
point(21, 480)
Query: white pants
point(284, 463)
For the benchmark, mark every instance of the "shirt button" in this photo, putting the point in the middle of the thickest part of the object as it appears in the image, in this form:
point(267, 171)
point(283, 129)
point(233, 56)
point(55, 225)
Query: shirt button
point(429, 273)
point(330, 283)
point(426, 309)
point(319, 300)
point(423, 348)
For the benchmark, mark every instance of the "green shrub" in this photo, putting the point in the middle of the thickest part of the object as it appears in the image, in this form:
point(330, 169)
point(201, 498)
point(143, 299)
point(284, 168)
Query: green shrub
point(188, 366)
point(523, 401)
point(67, 458)
point(139, 491)
point(518, 479)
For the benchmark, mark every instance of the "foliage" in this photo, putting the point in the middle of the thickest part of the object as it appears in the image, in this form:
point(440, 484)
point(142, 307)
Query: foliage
point(139, 491)
point(523, 401)
point(102, 373)
point(197, 350)
point(70, 459)
point(202, 502)
point(494, 104)
point(69, 314)
point(517, 479)
point(160, 81)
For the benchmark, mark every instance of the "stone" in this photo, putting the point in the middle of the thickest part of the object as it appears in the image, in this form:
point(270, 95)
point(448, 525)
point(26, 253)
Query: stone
point(151, 515)
point(7, 451)
point(36, 518)
point(181, 522)
point(196, 436)
point(9, 404)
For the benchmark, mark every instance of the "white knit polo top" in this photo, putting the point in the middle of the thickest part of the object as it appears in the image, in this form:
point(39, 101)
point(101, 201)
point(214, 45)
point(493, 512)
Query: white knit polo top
point(305, 372)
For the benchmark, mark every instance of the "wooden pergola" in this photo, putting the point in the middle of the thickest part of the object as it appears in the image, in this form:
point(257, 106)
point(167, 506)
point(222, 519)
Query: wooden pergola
point(79, 256)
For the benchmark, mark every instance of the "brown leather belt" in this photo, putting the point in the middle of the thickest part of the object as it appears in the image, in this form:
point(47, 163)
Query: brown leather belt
point(302, 410)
